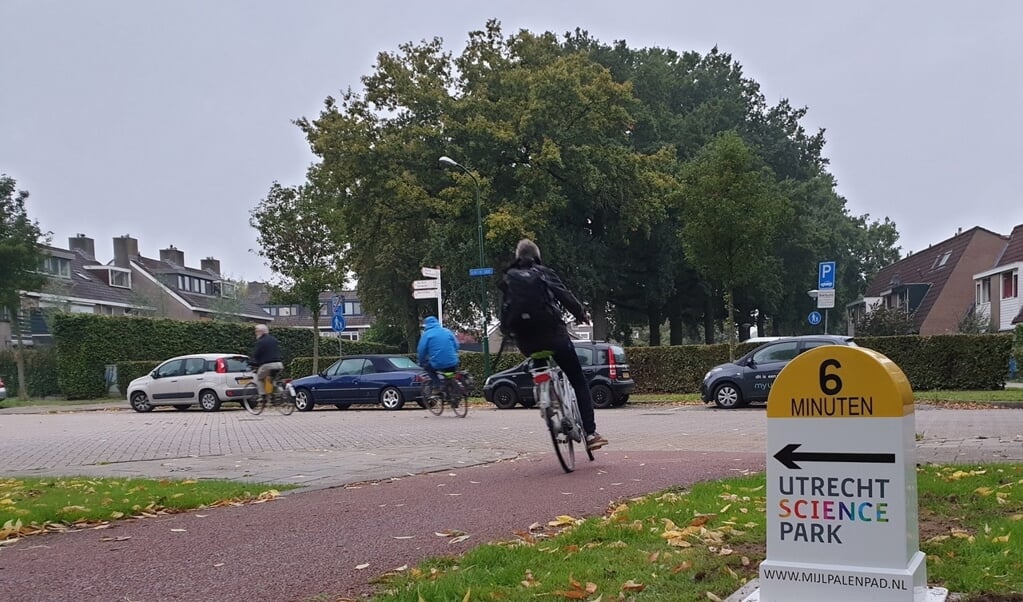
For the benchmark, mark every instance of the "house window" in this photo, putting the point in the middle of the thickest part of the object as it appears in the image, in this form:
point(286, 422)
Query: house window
point(941, 260)
point(56, 266)
point(120, 279)
point(228, 290)
point(285, 312)
point(1010, 285)
point(984, 291)
point(352, 308)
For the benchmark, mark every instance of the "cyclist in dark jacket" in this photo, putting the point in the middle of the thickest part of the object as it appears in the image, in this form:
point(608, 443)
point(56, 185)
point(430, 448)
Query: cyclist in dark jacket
point(556, 339)
point(266, 355)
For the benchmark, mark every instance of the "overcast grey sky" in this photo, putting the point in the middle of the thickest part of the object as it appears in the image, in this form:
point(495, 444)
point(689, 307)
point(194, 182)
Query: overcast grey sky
point(169, 120)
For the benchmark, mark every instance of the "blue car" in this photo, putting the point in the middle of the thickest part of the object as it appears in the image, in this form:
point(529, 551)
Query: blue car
point(388, 380)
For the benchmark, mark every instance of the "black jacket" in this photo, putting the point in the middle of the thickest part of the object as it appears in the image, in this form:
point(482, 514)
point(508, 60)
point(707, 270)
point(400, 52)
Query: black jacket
point(557, 288)
point(266, 350)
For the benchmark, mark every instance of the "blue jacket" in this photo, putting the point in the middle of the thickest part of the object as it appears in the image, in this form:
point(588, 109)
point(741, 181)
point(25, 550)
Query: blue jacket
point(438, 346)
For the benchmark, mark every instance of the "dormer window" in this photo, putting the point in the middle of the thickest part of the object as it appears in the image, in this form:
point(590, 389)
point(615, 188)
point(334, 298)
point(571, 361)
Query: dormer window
point(228, 290)
point(56, 266)
point(120, 278)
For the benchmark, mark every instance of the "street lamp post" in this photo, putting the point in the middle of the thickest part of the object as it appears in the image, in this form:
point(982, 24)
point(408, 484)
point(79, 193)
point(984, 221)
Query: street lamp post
point(449, 162)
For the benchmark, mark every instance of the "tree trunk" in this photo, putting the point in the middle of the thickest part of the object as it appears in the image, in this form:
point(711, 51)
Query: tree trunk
point(19, 357)
point(654, 323)
point(599, 319)
point(730, 322)
point(676, 329)
point(708, 320)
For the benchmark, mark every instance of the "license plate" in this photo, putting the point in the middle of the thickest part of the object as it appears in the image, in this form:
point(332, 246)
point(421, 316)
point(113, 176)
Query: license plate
point(625, 375)
point(244, 381)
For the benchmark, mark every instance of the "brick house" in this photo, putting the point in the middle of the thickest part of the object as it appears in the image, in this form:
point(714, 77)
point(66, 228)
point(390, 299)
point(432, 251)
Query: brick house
point(297, 316)
point(936, 284)
point(996, 290)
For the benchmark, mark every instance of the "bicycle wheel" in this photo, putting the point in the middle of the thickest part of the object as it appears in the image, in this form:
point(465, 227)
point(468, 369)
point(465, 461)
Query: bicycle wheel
point(564, 447)
point(432, 402)
point(459, 400)
point(283, 402)
point(575, 417)
point(250, 399)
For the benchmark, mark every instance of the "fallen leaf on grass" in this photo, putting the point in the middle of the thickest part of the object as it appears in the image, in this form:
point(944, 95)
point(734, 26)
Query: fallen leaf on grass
point(712, 597)
point(632, 586)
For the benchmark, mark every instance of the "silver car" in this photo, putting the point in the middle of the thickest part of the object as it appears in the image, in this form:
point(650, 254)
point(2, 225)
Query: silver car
point(206, 379)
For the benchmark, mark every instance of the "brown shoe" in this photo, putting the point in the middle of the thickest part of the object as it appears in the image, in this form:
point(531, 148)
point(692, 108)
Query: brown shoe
point(595, 441)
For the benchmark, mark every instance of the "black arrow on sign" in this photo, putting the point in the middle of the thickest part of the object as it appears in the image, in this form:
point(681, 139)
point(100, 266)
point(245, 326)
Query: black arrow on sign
point(789, 456)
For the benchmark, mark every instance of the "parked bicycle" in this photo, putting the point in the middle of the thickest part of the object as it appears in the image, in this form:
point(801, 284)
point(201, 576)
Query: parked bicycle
point(454, 391)
point(274, 394)
point(558, 407)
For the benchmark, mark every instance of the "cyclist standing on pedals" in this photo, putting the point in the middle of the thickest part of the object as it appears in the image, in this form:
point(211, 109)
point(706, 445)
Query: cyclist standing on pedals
point(534, 321)
point(437, 351)
point(266, 356)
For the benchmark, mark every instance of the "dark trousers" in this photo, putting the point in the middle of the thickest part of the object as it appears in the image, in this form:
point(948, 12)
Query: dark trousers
point(568, 361)
point(434, 379)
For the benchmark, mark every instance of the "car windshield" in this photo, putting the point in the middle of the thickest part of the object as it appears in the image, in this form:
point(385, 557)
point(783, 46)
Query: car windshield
point(403, 363)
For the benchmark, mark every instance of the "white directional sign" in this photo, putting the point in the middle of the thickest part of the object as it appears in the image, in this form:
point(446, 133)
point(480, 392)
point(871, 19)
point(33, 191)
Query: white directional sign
point(431, 272)
point(842, 521)
point(826, 298)
point(425, 284)
point(429, 293)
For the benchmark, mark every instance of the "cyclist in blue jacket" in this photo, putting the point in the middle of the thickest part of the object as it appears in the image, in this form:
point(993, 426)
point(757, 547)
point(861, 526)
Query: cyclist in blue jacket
point(437, 351)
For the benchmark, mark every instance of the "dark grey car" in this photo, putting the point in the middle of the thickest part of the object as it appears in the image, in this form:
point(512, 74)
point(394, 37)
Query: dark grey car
point(749, 378)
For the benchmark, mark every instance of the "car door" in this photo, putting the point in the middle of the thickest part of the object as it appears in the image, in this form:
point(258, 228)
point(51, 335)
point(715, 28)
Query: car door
point(759, 375)
point(346, 385)
point(588, 361)
point(164, 388)
point(192, 379)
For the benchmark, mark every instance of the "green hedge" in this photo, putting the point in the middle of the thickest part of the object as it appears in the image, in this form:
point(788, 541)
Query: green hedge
point(40, 372)
point(86, 343)
point(129, 371)
point(964, 362)
point(678, 368)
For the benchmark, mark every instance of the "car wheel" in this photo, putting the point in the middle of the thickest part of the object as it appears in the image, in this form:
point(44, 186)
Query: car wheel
point(727, 396)
point(602, 396)
point(181, 407)
point(505, 397)
point(304, 400)
point(342, 406)
point(208, 400)
point(140, 402)
point(391, 398)
point(624, 399)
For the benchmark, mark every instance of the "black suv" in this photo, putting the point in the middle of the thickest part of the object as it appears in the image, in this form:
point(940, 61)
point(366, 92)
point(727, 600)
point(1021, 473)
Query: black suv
point(604, 365)
point(749, 378)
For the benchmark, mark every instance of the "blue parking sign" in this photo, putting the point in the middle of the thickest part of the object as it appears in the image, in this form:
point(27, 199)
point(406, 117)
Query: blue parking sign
point(826, 275)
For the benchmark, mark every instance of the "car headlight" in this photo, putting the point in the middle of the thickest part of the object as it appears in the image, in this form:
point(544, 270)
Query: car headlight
point(291, 389)
point(486, 383)
point(707, 375)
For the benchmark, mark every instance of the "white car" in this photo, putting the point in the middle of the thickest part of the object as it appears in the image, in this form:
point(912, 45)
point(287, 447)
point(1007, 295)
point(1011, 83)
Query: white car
point(3, 390)
point(206, 379)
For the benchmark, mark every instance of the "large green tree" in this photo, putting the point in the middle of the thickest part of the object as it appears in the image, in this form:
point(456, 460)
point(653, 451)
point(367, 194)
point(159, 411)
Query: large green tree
point(294, 231)
point(20, 257)
point(733, 211)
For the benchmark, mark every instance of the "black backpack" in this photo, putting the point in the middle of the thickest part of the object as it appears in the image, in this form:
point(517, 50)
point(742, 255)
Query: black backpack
point(528, 305)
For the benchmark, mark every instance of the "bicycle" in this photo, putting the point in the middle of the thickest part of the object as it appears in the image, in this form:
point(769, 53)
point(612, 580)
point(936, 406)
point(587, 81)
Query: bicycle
point(454, 392)
point(274, 394)
point(558, 407)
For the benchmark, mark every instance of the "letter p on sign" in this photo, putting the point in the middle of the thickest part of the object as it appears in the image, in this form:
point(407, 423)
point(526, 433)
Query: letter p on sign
point(826, 275)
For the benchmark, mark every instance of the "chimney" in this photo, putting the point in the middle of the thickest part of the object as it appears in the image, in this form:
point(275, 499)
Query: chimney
point(125, 249)
point(173, 255)
point(211, 265)
point(83, 244)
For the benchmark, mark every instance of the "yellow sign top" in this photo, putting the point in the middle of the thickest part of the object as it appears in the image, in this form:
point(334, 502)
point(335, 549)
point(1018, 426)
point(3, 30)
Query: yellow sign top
point(836, 381)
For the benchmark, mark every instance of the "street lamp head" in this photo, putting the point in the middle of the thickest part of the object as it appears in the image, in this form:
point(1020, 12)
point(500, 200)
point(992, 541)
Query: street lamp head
point(448, 161)
point(813, 293)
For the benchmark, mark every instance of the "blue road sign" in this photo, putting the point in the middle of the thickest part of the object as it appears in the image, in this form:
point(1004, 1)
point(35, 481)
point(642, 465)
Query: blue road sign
point(814, 318)
point(826, 275)
point(474, 272)
point(337, 323)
